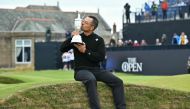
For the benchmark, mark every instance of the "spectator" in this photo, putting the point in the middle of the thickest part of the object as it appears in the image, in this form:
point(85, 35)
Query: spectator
point(147, 11)
point(71, 61)
point(163, 39)
point(127, 12)
point(164, 7)
point(183, 39)
point(65, 60)
point(142, 14)
point(154, 9)
point(48, 34)
point(158, 43)
point(120, 43)
point(143, 43)
point(129, 42)
point(136, 44)
point(188, 4)
point(125, 42)
point(181, 13)
point(175, 39)
point(138, 17)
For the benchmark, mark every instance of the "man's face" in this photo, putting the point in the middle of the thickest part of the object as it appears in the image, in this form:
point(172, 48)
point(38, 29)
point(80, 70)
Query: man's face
point(86, 24)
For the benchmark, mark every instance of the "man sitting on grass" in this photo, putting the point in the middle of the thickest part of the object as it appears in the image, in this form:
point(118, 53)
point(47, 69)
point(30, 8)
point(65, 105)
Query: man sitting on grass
point(88, 56)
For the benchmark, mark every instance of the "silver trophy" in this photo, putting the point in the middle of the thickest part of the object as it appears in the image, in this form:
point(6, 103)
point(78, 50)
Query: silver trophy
point(77, 24)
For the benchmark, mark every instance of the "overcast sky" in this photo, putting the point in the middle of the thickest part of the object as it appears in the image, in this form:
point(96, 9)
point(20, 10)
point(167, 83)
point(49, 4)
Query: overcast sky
point(110, 10)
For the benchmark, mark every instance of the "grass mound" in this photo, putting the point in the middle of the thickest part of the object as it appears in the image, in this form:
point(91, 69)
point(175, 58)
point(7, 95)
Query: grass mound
point(73, 96)
point(8, 80)
point(60, 96)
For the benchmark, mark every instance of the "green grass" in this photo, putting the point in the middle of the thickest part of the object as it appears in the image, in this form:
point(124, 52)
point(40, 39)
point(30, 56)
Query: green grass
point(175, 82)
point(33, 79)
point(56, 85)
point(38, 78)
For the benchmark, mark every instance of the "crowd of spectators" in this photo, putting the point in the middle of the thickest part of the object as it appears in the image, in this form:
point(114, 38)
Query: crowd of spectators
point(121, 43)
point(162, 10)
point(181, 39)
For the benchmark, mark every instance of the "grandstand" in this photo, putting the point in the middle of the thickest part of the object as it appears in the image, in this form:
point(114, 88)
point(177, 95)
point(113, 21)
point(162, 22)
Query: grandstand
point(152, 28)
point(177, 9)
point(153, 59)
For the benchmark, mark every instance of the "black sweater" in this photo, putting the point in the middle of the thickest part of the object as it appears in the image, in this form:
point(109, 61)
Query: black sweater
point(94, 54)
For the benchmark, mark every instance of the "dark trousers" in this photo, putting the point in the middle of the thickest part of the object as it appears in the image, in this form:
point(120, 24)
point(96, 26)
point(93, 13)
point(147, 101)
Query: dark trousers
point(164, 14)
point(90, 78)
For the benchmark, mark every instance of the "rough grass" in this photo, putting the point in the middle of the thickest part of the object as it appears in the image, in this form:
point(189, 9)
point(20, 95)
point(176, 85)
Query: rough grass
point(73, 96)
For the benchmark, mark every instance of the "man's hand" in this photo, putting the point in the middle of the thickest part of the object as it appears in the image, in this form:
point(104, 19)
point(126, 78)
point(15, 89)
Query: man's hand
point(81, 47)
